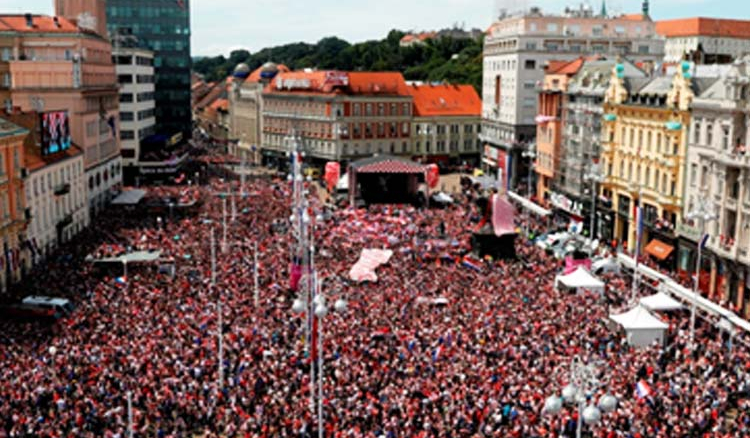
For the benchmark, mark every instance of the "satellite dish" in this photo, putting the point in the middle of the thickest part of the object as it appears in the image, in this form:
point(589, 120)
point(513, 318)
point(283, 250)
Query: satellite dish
point(86, 21)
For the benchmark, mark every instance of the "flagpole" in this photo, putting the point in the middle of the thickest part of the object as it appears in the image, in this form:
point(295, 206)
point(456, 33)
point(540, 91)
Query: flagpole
point(255, 273)
point(638, 227)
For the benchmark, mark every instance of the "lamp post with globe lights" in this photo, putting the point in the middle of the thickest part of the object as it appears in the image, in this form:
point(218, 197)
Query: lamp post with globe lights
point(703, 213)
point(594, 177)
point(318, 310)
point(584, 382)
point(530, 154)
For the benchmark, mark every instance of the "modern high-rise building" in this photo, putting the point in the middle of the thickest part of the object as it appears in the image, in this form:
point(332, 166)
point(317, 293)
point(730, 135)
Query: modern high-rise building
point(162, 26)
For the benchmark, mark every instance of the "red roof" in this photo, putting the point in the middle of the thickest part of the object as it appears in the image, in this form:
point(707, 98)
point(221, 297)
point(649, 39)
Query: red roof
point(334, 82)
point(634, 17)
point(445, 100)
point(391, 166)
point(40, 23)
point(564, 67)
point(220, 104)
point(716, 27)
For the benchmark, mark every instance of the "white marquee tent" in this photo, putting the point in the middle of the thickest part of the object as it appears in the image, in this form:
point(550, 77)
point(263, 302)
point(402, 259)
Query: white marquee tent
point(641, 326)
point(580, 279)
point(660, 302)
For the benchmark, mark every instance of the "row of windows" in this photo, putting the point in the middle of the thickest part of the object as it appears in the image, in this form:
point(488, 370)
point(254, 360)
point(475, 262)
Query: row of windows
point(468, 145)
point(382, 109)
point(140, 97)
point(441, 129)
point(140, 79)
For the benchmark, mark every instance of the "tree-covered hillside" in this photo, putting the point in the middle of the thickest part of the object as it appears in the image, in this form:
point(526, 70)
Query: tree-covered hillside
point(443, 59)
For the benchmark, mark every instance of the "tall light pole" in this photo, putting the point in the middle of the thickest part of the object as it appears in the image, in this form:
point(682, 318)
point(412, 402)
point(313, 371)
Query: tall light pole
point(594, 177)
point(584, 381)
point(255, 273)
point(702, 211)
point(637, 191)
point(530, 154)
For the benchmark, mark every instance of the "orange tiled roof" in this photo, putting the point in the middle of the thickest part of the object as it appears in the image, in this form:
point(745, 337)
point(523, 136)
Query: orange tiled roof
point(565, 67)
point(445, 100)
point(211, 96)
point(41, 23)
point(408, 38)
point(220, 104)
point(359, 83)
point(255, 75)
point(634, 17)
point(717, 27)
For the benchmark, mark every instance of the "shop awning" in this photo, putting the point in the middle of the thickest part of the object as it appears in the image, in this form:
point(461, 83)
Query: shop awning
point(659, 249)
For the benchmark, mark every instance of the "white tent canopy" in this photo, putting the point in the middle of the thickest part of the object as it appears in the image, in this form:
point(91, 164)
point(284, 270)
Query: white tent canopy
point(580, 279)
point(529, 205)
point(660, 302)
point(132, 257)
point(129, 197)
point(641, 326)
point(343, 183)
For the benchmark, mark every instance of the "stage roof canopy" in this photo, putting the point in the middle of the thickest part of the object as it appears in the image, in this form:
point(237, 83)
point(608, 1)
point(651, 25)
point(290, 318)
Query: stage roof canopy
point(387, 164)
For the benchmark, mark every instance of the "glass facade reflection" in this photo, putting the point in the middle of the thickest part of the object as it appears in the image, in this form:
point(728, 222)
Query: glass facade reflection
point(164, 27)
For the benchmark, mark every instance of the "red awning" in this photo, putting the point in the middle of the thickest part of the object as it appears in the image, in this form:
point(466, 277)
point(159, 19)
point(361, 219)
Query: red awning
point(659, 249)
point(391, 166)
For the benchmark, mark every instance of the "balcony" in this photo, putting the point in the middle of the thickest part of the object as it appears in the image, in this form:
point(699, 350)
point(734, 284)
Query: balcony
point(62, 189)
point(668, 200)
point(724, 247)
point(60, 75)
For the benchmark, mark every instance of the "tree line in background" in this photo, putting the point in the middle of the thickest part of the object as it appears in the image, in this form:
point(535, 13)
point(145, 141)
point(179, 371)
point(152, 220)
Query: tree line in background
point(456, 61)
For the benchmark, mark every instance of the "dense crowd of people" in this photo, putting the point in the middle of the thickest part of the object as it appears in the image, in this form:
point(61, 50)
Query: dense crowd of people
point(397, 363)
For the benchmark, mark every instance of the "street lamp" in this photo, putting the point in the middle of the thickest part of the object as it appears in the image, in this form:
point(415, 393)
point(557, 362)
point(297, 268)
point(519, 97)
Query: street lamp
point(595, 176)
point(318, 310)
point(637, 192)
point(530, 154)
point(703, 212)
point(584, 382)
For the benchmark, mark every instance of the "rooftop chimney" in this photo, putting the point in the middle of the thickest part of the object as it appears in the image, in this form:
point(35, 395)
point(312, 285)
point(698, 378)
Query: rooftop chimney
point(29, 20)
point(57, 21)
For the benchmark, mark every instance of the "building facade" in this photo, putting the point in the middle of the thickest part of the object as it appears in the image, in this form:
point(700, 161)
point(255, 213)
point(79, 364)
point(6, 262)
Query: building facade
point(59, 67)
point(135, 73)
point(643, 153)
point(445, 128)
point(549, 125)
point(718, 167)
point(704, 40)
point(515, 52)
point(337, 115)
point(246, 107)
point(13, 213)
point(164, 28)
point(581, 136)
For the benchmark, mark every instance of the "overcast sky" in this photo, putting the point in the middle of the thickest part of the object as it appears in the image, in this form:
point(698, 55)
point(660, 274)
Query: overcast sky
point(222, 25)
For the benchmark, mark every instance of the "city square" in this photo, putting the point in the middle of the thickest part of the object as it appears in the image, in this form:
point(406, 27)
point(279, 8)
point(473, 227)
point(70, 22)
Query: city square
point(537, 230)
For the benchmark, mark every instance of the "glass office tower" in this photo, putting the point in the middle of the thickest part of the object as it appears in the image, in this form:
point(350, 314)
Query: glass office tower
point(162, 26)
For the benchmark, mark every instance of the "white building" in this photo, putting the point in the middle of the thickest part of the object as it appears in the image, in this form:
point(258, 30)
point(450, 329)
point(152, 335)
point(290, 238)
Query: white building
point(705, 40)
point(135, 69)
point(516, 50)
point(718, 169)
point(57, 197)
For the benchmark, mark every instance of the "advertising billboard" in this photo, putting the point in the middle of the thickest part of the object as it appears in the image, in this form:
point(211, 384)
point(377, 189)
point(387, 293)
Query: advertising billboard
point(55, 135)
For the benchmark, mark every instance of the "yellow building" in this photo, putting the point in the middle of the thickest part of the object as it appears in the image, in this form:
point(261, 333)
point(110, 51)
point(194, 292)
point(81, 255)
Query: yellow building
point(13, 214)
point(644, 148)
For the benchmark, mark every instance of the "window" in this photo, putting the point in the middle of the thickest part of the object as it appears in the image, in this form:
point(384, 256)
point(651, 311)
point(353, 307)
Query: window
point(725, 137)
point(619, 29)
point(709, 134)
point(529, 64)
point(368, 109)
point(381, 109)
point(530, 46)
point(697, 132)
point(125, 79)
point(404, 128)
point(126, 98)
point(405, 110)
point(127, 134)
point(597, 48)
point(7, 54)
point(552, 27)
point(128, 153)
point(575, 48)
point(126, 116)
point(643, 50)
point(597, 30)
point(693, 174)
point(357, 109)
point(6, 80)
point(498, 89)
point(529, 85)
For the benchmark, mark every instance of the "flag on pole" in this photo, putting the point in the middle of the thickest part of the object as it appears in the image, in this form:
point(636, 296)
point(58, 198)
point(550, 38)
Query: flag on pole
point(703, 241)
point(472, 264)
point(642, 389)
point(638, 228)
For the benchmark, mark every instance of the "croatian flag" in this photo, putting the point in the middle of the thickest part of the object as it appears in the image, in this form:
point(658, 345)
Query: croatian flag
point(472, 264)
point(642, 389)
point(121, 280)
point(703, 241)
point(436, 353)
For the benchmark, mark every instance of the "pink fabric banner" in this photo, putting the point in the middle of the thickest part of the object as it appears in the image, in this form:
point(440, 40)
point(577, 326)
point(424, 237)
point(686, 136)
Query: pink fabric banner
point(502, 216)
point(369, 260)
point(295, 277)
